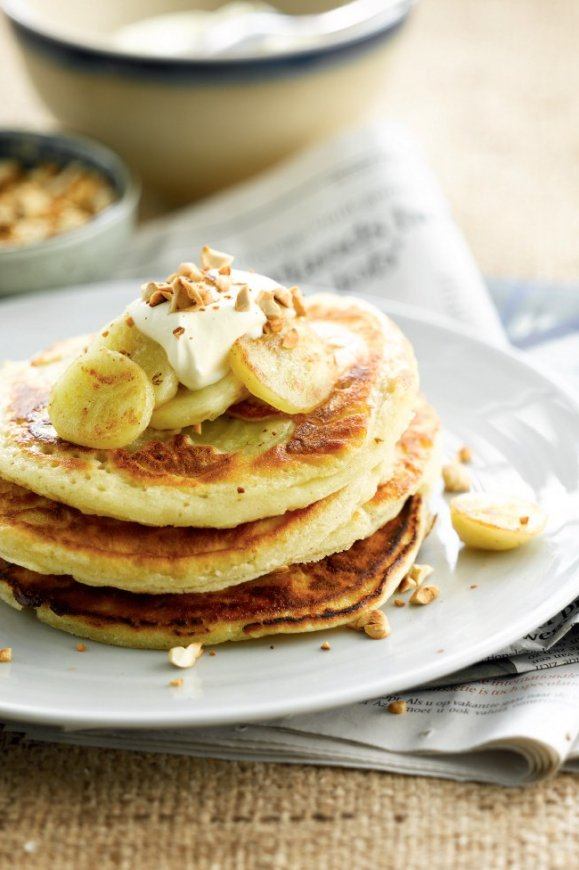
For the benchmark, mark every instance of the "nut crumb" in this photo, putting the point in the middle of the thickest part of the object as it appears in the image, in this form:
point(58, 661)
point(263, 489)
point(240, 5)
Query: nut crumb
point(240, 490)
point(212, 652)
point(373, 623)
point(176, 682)
point(185, 656)
point(325, 645)
point(523, 520)
point(456, 478)
point(80, 647)
point(473, 586)
point(464, 454)
point(397, 707)
point(399, 602)
point(178, 331)
point(129, 321)
point(6, 654)
point(425, 595)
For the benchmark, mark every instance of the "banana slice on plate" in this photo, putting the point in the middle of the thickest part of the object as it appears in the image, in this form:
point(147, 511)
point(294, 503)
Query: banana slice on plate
point(123, 336)
point(102, 400)
point(491, 522)
point(293, 371)
point(189, 407)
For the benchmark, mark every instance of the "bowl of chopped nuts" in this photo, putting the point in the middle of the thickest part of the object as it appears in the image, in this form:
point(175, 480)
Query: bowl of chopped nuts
point(67, 209)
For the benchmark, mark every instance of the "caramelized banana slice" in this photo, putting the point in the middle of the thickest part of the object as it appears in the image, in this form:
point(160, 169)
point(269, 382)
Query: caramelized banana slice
point(293, 371)
point(195, 406)
point(489, 522)
point(102, 400)
point(123, 336)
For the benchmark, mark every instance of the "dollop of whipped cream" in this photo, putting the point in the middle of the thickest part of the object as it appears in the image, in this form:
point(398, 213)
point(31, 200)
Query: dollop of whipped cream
point(197, 339)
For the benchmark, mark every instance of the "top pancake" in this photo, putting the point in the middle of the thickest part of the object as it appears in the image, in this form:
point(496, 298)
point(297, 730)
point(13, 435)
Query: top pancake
point(237, 470)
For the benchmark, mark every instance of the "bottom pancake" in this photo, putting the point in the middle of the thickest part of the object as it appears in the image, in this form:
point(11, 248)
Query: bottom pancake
point(307, 597)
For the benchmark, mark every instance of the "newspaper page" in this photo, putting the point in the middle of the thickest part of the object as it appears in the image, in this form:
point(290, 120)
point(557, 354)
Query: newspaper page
point(364, 212)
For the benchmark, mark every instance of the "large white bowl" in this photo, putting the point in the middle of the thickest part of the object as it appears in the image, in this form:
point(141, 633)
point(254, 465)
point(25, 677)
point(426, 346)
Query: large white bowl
point(191, 126)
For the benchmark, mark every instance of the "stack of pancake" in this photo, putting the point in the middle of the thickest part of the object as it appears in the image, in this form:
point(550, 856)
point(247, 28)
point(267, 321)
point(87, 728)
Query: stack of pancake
point(259, 523)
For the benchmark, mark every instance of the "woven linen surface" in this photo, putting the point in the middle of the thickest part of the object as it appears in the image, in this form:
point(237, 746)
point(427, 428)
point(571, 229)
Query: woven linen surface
point(491, 88)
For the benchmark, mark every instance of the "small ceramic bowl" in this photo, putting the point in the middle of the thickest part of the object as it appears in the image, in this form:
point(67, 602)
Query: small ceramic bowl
point(79, 255)
point(190, 126)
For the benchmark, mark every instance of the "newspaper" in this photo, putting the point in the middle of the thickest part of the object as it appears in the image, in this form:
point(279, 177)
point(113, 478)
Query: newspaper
point(363, 211)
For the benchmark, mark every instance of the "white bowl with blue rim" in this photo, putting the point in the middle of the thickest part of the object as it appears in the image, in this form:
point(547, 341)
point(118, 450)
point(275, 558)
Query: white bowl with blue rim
point(190, 125)
point(76, 256)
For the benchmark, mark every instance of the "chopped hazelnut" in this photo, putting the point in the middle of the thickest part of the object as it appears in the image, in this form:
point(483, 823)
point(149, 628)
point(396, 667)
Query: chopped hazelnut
point(273, 324)
point(373, 623)
point(223, 283)
point(399, 602)
point(178, 681)
point(398, 708)
point(406, 584)
point(191, 271)
point(456, 478)
point(185, 656)
point(425, 595)
point(325, 645)
point(80, 647)
point(213, 259)
point(268, 305)
point(298, 301)
point(420, 573)
point(6, 655)
point(243, 301)
point(283, 296)
point(178, 331)
point(464, 454)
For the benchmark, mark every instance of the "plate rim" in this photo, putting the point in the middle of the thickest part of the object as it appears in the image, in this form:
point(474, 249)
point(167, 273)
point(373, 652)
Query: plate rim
point(329, 698)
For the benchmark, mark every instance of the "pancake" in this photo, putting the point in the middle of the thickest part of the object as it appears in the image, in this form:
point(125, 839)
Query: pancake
point(304, 598)
point(237, 470)
point(49, 537)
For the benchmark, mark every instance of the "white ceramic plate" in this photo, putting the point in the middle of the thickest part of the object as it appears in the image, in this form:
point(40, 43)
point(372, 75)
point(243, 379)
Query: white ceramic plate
point(524, 432)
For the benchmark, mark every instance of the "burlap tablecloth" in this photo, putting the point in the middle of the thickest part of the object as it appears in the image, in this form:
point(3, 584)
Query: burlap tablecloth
point(491, 87)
